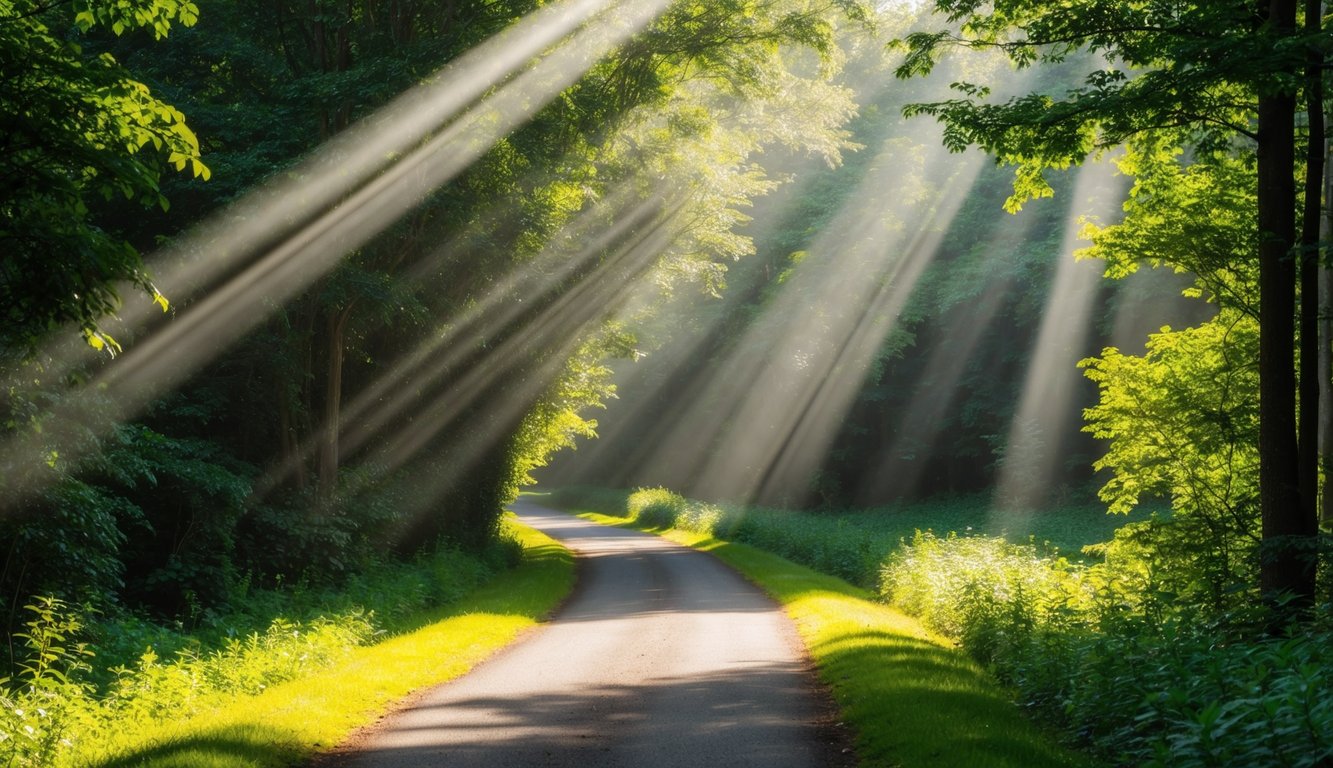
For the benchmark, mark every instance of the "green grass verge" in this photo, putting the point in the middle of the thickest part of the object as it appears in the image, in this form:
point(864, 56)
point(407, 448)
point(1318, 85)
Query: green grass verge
point(291, 722)
point(911, 696)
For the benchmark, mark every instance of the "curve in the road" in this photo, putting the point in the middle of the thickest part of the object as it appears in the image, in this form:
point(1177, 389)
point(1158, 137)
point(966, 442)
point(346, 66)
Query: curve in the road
point(661, 657)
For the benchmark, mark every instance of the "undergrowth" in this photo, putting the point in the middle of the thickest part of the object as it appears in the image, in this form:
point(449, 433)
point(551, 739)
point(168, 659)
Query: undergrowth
point(1104, 648)
point(76, 682)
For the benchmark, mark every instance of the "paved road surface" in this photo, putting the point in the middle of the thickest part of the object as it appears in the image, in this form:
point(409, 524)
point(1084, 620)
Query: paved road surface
point(662, 657)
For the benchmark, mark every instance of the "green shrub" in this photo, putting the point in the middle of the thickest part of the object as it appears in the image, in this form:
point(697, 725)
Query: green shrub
point(1104, 652)
point(657, 507)
point(47, 701)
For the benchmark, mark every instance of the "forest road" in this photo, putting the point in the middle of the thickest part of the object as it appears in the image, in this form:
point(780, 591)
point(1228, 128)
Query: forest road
point(661, 657)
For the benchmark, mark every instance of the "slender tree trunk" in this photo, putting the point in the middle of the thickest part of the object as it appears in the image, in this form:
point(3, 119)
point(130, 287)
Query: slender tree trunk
point(1325, 360)
point(289, 442)
point(1325, 364)
point(335, 328)
point(1281, 568)
point(1308, 434)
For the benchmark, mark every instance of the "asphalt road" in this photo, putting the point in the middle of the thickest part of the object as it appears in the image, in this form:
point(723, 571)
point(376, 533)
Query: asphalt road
point(661, 657)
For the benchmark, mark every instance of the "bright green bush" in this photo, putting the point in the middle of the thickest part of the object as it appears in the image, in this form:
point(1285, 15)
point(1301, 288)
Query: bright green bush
point(1101, 651)
point(52, 706)
point(989, 593)
point(655, 506)
point(47, 701)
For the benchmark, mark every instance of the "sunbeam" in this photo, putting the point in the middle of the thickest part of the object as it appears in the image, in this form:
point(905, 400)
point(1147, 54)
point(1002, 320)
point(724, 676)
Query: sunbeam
point(206, 257)
point(901, 465)
point(510, 386)
point(760, 424)
point(807, 422)
point(291, 233)
point(203, 329)
point(505, 305)
point(1032, 449)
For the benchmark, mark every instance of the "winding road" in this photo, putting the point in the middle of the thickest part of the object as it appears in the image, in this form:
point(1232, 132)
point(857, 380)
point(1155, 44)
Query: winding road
point(661, 657)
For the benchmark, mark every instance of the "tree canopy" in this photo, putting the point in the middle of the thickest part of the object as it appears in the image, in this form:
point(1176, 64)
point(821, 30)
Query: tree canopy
point(78, 129)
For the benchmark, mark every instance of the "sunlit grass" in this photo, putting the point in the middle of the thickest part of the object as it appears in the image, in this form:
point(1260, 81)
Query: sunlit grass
point(852, 544)
point(293, 721)
point(911, 697)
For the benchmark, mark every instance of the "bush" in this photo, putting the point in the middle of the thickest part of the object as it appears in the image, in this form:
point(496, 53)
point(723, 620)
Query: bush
point(656, 507)
point(983, 590)
point(1142, 680)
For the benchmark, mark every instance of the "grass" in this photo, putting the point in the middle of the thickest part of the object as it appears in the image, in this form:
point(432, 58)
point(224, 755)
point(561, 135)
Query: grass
point(853, 544)
point(293, 721)
point(911, 696)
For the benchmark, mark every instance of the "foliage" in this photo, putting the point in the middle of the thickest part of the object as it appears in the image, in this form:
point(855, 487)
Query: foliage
point(152, 509)
point(77, 127)
point(40, 709)
point(974, 587)
point(59, 707)
point(1184, 69)
point(1111, 654)
point(1182, 423)
point(1221, 82)
point(1192, 217)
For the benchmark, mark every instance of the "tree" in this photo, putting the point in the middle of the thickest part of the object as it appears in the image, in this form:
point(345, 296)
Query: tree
point(1181, 421)
point(1200, 75)
point(75, 126)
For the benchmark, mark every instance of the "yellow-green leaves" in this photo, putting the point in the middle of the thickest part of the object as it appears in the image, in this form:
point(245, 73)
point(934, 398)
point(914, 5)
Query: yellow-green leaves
point(90, 130)
point(102, 342)
point(1181, 421)
point(120, 16)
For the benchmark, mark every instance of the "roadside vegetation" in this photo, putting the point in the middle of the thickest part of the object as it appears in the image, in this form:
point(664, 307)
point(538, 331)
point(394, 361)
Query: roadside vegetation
point(1103, 649)
point(260, 688)
point(910, 696)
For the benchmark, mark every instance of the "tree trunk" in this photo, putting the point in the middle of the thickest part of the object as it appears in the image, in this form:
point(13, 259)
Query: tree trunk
point(335, 326)
point(1326, 357)
point(1308, 429)
point(1282, 570)
point(1325, 364)
point(292, 461)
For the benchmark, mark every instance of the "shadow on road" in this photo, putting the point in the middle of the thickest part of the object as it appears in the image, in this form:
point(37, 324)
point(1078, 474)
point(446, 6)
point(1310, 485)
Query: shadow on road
point(604, 726)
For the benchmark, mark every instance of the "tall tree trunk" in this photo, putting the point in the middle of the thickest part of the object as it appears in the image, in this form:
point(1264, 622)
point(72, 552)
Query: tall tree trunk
point(1311, 235)
point(291, 458)
point(1326, 355)
point(1282, 570)
point(335, 329)
point(1308, 431)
